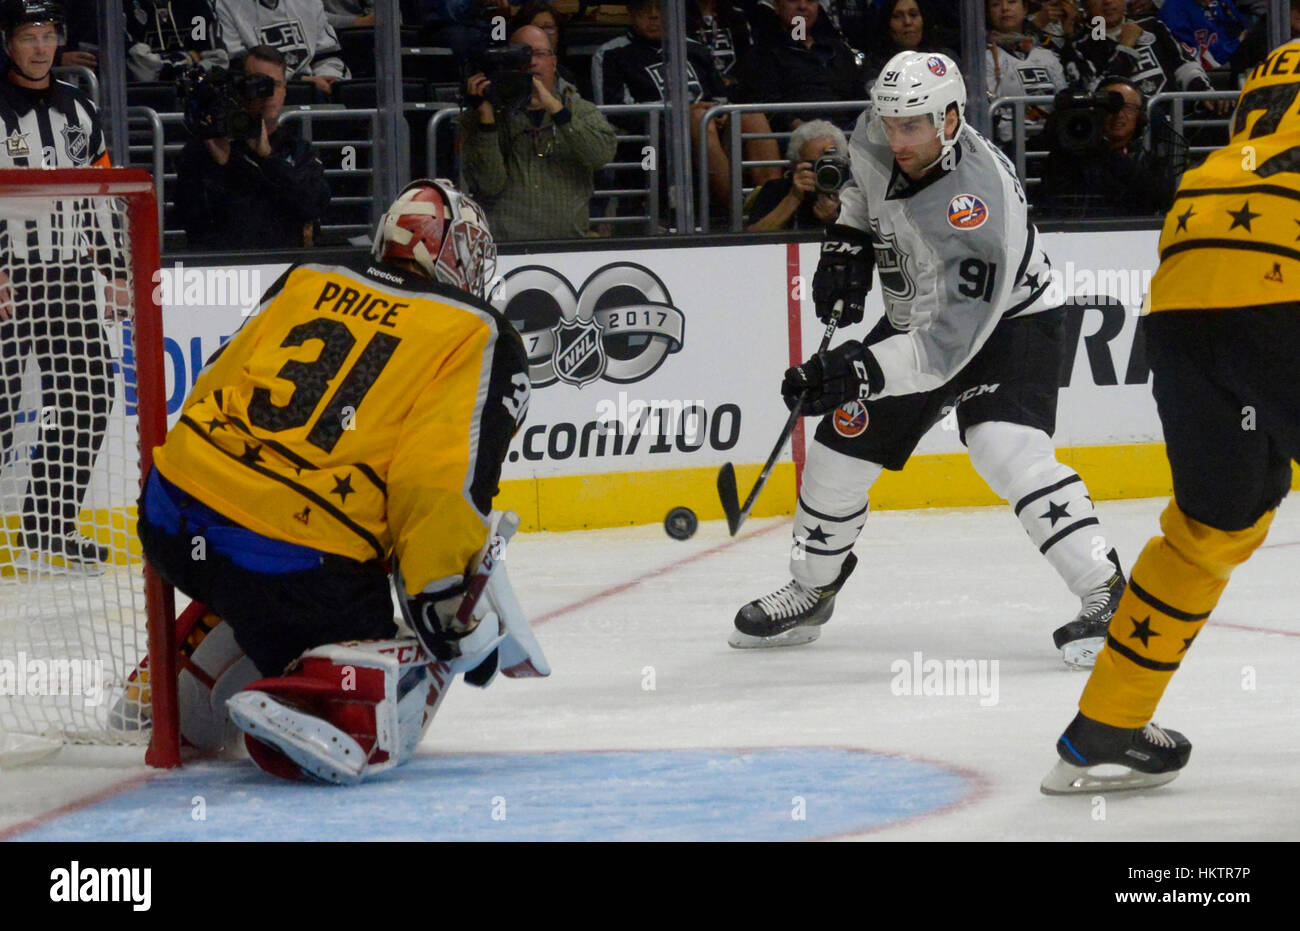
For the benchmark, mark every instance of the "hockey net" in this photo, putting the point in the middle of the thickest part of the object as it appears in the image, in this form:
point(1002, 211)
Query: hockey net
point(82, 404)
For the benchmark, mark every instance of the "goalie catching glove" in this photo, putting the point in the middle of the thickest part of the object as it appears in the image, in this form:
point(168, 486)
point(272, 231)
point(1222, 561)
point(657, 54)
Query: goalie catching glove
point(844, 274)
point(827, 380)
point(474, 622)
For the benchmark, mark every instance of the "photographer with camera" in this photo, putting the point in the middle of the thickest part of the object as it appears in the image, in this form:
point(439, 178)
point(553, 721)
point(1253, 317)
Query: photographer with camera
point(243, 181)
point(531, 143)
point(1103, 161)
point(808, 195)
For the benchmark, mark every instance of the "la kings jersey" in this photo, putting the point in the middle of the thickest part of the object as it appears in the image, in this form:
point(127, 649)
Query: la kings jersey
point(956, 253)
point(298, 28)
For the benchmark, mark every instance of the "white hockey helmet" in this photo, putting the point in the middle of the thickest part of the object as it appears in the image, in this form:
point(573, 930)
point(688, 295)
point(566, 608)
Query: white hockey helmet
point(442, 230)
point(919, 84)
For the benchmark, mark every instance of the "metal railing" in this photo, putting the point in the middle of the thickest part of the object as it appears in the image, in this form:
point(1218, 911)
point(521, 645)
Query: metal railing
point(79, 76)
point(308, 117)
point(1179, 120)
point(737, 138)
point(652, 112)
point(155, 154)
point(1021, 156)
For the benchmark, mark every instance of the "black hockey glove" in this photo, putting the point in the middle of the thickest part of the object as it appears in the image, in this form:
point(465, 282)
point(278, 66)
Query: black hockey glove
point(844, 274)
point(831, 378)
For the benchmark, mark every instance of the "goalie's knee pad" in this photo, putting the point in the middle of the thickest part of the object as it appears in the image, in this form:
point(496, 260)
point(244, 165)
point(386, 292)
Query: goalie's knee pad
point(344, 711)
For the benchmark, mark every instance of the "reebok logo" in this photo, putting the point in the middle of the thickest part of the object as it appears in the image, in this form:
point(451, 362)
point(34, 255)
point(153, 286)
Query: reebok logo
point(103, 884)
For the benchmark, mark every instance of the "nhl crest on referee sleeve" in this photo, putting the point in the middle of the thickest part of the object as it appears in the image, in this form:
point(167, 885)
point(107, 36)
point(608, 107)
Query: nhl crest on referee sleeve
point(76, 143)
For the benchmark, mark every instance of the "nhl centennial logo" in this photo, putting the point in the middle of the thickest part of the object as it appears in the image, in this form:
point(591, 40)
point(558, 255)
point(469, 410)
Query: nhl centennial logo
point(619, 325)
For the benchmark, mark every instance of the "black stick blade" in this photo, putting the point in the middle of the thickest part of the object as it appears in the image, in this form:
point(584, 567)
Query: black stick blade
point(729, 496)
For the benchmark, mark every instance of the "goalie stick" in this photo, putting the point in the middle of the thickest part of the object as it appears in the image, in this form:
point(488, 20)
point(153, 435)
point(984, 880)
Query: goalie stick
point(727, 492)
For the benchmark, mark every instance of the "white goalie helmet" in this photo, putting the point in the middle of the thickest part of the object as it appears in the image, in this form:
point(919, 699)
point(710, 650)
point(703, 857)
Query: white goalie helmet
point(918, 84)
point(442, 230)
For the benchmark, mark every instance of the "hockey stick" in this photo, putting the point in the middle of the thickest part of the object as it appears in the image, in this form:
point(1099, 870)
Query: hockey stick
point(731, 507)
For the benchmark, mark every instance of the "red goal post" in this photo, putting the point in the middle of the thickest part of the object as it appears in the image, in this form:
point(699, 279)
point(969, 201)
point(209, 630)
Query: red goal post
point(112, 633)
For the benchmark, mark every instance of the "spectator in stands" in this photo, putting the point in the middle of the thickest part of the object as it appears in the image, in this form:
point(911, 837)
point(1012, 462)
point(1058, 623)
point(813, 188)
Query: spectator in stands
point(350, 14)
point(298, 28)
point(533, 169)
point(1017, 66)
point(803, 60)
point(720, 27)
point(465, 26)
point(268, 192)
point(1211, 29)
point(83, 35)
point(164, 37)
point(1145, 52)
point(629, 69)
point(1256, 46)
point(902, 26)
point(1128, 171)
point(541, 14)
point(1054, 24)
point(853, 19)
point(793, 201)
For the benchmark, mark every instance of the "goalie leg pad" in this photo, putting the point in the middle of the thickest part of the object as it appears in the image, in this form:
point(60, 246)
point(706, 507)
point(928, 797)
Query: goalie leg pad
point(343, 712)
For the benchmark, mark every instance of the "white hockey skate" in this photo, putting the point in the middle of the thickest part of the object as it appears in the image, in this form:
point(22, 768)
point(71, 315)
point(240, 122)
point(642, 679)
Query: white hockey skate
point(1083, 638)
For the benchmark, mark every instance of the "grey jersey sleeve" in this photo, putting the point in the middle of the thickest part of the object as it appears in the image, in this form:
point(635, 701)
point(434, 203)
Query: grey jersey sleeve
point(853, 198)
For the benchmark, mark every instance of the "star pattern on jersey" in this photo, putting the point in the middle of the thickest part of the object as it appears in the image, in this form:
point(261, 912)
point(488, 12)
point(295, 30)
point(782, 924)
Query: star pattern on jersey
point(1142, 630)
point(1297, 235)
point(1033, 281)
point(1184, 217)
point(1055, 512)
point(215, 424)
point(817, 535)
point(1242, 217)
point(252, 453)
point(343, 488)
point(1187, 642)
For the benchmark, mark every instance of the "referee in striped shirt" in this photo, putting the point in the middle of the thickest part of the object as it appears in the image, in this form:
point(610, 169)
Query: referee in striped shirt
point(49, 315)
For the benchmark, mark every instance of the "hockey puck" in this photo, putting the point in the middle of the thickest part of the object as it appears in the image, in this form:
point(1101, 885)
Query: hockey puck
point(681, 523)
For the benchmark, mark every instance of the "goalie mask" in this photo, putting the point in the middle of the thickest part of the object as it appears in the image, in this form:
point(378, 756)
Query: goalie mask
point(918, 84)
point(443, 231)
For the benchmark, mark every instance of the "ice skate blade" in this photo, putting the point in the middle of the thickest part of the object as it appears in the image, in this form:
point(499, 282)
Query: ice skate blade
point(790, 638)
point(1068, 779)
point(34, 562)
point(303, 738)
point(1082, 654)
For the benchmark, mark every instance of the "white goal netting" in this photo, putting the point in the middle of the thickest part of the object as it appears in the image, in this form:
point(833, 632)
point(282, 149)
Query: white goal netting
point(73, 622)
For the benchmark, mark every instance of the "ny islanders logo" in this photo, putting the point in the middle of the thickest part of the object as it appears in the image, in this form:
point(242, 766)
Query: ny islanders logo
point(967, 212)
point(850, 419)
point(936, 65)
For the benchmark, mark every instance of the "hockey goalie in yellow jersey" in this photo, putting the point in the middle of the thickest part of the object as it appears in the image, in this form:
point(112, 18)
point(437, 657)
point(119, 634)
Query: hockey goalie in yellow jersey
point(350, 434)
point(1223, 342)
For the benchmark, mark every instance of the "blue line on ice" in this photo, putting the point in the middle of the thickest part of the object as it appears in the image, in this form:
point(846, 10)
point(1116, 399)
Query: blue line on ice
point(616, 795)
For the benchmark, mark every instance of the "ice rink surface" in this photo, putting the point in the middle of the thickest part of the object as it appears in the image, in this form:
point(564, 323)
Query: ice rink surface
point(652, 727)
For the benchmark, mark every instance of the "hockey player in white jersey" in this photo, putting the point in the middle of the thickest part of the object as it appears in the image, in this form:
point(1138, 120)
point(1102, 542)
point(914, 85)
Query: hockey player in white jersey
point(941, 214)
